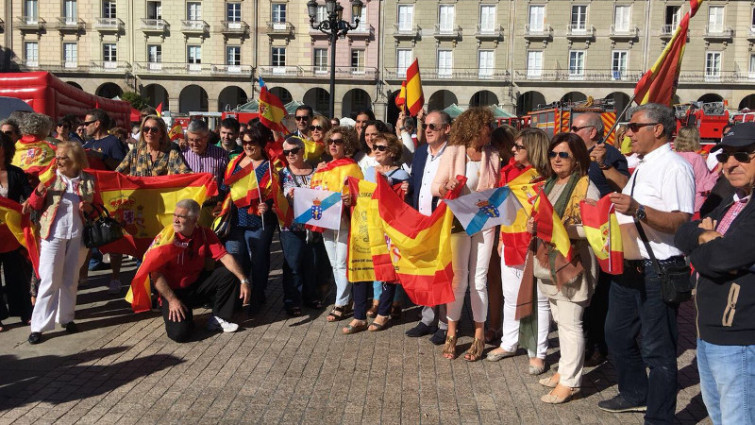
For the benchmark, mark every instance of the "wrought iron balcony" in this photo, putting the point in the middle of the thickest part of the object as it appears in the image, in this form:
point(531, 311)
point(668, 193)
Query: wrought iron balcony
point(108, 25)
point(154, 26)
point(624, 34)
point(413, 32)
point(237, 28)
point(280, 29)
point(489, 34)
point(30, 23)
point(723, 34)
point(579, 32)
point(543, 33)
point(194, 27)
point(67, 24)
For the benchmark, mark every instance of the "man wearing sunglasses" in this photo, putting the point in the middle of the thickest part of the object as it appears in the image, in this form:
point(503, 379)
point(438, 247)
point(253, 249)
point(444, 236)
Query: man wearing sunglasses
point(641, 329)
point(96, 124)
point(303, 116)
point(722, 248)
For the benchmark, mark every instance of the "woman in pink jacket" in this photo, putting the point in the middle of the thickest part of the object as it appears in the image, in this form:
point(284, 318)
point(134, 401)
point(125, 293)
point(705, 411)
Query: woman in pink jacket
point(469, 154)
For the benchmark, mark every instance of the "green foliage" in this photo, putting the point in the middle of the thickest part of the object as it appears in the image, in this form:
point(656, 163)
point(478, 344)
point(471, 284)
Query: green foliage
point(136, 100)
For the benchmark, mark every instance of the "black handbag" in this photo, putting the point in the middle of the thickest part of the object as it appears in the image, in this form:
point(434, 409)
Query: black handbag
point(102, 230)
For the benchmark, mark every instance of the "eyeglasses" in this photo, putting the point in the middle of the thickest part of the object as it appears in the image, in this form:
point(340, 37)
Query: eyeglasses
point(86, 123)
point(518, 147)
point(61, 158)
point(294, 151)
point(636, 126)
point(381, 148)
point(335, 141)
point(148, 129)
point(315, 127)
point(302, 117)
point(562, 155)
point(739, 156)
point(432, 127)
point(575, 129)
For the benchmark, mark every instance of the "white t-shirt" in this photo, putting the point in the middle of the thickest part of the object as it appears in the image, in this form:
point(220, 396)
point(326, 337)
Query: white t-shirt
point(425, 201)
point(663, 181)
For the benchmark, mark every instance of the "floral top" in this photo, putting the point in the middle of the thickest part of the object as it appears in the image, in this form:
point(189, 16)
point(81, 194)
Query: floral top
point(138, 162)
point(290, 181)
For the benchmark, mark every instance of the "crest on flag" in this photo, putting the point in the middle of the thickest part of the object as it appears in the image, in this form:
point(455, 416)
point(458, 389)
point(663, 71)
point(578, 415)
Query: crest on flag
point(485, 208)
point(316, 209)
point(482, 210)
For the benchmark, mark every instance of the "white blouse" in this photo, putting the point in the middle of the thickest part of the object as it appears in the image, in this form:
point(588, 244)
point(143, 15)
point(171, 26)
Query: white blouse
point(68, 223)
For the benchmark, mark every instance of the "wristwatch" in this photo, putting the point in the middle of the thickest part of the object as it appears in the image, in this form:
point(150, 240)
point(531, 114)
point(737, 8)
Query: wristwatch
point(244, 281)
point(640, 213)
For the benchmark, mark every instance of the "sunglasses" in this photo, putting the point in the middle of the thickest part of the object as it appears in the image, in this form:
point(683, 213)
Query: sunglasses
point(88, 122)
point(562, 155)
point(335, 141)
point(315, 127)
point(575, 129)
point(294, 151)
point(432, 127)
point(518, 147)
point(302, 118)
point(381, 148)
point(148, 129)
point(743, 157)
point(636, 126)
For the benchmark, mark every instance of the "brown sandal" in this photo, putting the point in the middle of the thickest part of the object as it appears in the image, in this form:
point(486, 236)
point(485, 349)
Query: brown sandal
point(449, 350)
point(338, 313)
point(373, 311)
point(352, 329)
point(475, 351)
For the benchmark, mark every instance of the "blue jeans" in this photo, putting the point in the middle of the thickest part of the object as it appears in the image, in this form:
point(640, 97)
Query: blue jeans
point(251, 249)
point(299, 269)
point(727, 373)
point(637, 309)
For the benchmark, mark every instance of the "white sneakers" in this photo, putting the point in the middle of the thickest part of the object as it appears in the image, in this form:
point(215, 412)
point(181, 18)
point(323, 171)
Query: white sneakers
point(114, 287)
point(215, 323)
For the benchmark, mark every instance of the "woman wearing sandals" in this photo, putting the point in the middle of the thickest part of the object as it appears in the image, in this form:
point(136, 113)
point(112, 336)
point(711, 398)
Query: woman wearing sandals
point(341, 143)
point(388, 152)
point(530, 163)
point(567, 186)
point(469, 154)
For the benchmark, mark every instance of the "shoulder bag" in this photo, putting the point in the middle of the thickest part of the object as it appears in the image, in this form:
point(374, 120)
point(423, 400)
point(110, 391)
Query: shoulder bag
point(102, 230)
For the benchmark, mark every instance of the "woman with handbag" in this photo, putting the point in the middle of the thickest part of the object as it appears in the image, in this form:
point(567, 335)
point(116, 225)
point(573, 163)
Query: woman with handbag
point(300, 245)
point(469, 153)
point(63, 203)
point(568, 293)
point(528, 165)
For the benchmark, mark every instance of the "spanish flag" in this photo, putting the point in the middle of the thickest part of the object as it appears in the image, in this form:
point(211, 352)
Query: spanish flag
point(160, 251)
point(17, 230)
point(603, 233)
point(415, 99)
point(159, 110)
point(367, 256)
point(333, 176)
point(515, 237)
point(275, 155)
point(418, 246)
point(281, 207)
point(144, 205)
point(549, 226)
point(400, 99)
point(244, 187)
point(271, 110)
point(659, 83)
point(176, 132)
point(35, 157)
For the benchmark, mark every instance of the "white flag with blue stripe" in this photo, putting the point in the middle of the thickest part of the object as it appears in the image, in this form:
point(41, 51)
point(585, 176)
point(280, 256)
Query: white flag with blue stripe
point(482, 210)
point(319, 208)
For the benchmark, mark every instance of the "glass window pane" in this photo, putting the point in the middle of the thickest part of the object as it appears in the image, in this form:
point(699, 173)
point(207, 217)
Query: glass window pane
point(405, 17)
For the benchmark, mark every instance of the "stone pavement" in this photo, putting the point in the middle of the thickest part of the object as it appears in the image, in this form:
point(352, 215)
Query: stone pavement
point(122, 369)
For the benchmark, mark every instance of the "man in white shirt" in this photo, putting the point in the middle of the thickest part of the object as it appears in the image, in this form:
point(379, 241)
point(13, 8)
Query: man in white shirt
point(437, 127)
point(660, 197)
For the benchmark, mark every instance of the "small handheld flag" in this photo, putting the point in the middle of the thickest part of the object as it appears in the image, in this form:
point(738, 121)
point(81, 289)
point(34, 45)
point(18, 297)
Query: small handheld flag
point(483, 210)
point(320, 208)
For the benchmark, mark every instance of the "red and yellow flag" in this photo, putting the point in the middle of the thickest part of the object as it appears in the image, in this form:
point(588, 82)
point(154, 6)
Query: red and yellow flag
point(244, 187)
point(549, 226)
point(35, 157)
point(515, 237)
point(274, 152)
point(271, 110)
point(160, 251)
point(144, 205)
point(176, 132)
point(159, 110)
point(400, 99)
point(603, 233)
point(367, 256)
point(281, 207)
point(17, 230)
point(415, 98)
point(333, 176)
point(659, 83)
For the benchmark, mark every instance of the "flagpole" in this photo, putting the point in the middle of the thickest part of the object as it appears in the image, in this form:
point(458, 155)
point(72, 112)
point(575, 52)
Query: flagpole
point(259, 192)
point(616, 121)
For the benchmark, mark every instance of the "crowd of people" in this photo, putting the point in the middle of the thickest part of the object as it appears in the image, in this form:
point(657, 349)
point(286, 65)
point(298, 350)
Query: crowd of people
point(673, 204)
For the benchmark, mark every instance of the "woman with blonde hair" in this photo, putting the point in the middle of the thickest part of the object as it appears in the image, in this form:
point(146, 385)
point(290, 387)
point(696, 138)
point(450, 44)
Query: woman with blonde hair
point(154, 154)
point(469, 153)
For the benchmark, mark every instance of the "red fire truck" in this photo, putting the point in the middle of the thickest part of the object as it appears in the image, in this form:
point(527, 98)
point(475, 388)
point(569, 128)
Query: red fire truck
point(559, 116)
point(709, 118)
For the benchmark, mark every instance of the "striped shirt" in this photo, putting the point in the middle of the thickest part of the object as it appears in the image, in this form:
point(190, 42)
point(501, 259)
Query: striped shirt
point(214, 160)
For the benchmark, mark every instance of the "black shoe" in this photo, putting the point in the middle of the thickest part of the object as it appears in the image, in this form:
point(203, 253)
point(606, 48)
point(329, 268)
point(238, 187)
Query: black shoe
point(35, 337)
point(619, 405)
point(439, 337)
point(421, 330)
point(596, 359)
point(71, 327)
point(293, 311)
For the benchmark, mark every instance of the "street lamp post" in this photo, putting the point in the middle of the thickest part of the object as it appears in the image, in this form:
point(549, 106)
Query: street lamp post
point(334, 26)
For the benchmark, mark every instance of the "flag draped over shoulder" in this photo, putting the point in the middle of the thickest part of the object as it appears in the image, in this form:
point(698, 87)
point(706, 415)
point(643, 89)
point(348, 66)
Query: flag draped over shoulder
point(333, 176)
point(549, 226)
point(659, 83)
point(602, 232)
point(35, 157)
point(16, 229)
point(419, 246)
point(145, 205)
point(160, 251)
point(415, 98)
point(514, 236)
point(271, 109)
point(482, 210)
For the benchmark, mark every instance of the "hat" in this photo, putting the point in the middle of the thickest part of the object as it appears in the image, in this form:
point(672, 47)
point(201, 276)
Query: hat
point(740, 136)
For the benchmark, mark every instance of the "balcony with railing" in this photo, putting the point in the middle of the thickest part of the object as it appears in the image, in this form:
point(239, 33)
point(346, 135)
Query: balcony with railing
point(30, 23)
point(362, 31)
point(280, 29)
point(319, 72)
point(489, 34)
point(109, 66)
point(234, 28)
point(667, 31)
point(589, 75)
point(183, 68)
point(67, 24)
point(108, 25)
point(624, 34)
point(718, 34)
point(466, 74)
point(580, 32)
point(447, 33)
point(407, 32)
point(154, 26)
point(542, 33)
point(194, 27)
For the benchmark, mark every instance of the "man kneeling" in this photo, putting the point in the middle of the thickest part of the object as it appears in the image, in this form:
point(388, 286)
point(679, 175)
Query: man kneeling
point(183, 282)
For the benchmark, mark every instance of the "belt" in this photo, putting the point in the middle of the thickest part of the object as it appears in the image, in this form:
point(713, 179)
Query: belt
point(649, 263)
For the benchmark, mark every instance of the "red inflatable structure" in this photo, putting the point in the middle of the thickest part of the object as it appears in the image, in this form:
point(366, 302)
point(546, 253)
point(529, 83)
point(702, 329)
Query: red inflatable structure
point(48, 95)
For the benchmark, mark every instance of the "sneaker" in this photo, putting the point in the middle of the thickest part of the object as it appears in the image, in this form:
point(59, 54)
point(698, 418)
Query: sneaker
point(619, 405)
point(215, 323)
point(439, 337)
point(420, 330)
point(114, 287)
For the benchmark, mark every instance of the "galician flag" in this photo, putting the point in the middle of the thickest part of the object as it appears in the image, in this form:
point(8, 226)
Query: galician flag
point(319, 208)
point(602, 231)
point(483, 210)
